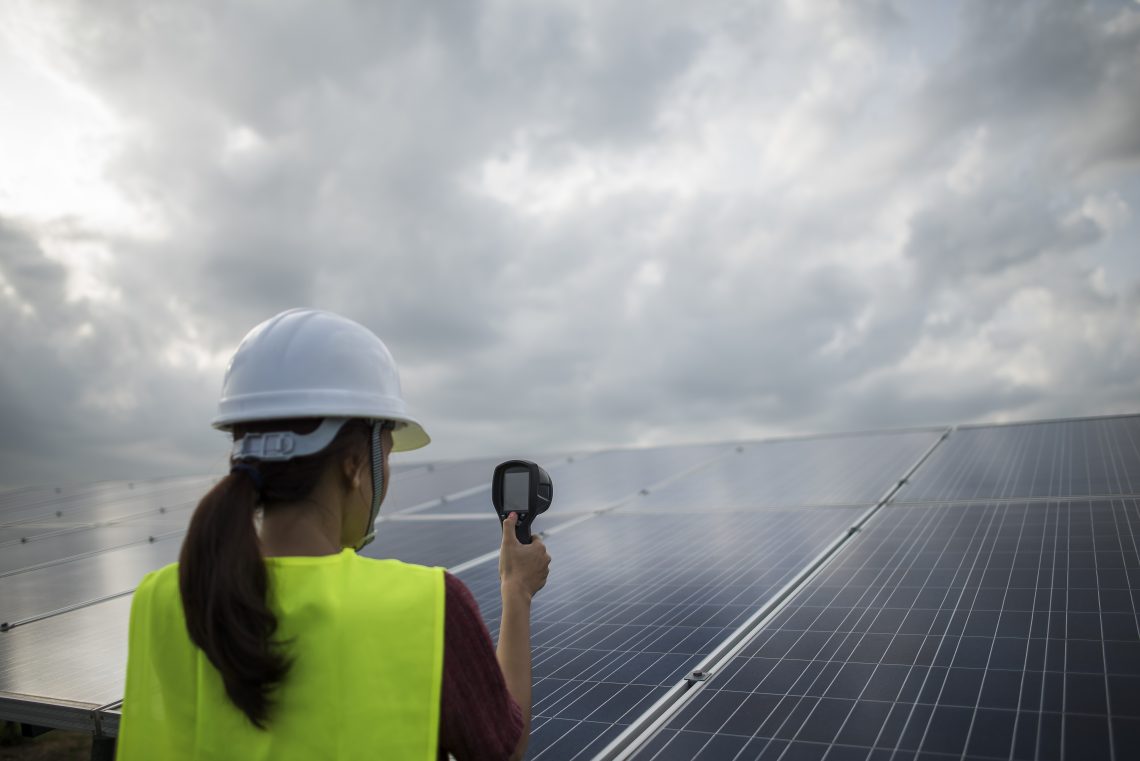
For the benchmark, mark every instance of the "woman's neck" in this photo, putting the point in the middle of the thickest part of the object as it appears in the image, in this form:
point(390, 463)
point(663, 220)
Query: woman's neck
point(301, 529)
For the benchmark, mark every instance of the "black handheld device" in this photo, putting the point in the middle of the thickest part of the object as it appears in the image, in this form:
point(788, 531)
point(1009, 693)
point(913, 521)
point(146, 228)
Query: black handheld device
point(521, 486)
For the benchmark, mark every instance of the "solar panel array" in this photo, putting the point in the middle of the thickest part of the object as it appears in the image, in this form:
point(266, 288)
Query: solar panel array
point(642, 594)
point(1091, 457)
point(883, 595)
point(637, 603)
point(975, 617)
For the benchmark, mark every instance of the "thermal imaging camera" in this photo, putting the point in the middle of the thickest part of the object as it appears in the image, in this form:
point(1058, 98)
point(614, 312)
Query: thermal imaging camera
point(521, 486)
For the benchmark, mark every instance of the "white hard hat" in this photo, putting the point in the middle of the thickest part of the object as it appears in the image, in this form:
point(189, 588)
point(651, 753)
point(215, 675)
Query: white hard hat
point(311, 363)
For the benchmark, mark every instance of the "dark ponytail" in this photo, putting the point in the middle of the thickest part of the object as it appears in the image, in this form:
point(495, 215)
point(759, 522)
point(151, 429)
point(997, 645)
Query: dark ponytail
point(224, 583)
point(222, 574)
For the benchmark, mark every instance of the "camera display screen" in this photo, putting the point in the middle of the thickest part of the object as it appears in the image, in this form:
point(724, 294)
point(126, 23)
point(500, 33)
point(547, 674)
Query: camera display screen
point(516, 490)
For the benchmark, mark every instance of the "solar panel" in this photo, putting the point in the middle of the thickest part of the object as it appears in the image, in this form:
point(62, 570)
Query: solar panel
point(95, 502)
point(838, 470)
point(1002, 630)
point(40, 526)
point(105, 572)
point(34, 530)
point(61, 669)
point(62, 585)
point(603, 479)
point(445, 543)
point(1071, 458)
point(80, 564)
point(634, 601)
point(429, 482)
point(55, 590)
point(90, 543)
point(59, 546)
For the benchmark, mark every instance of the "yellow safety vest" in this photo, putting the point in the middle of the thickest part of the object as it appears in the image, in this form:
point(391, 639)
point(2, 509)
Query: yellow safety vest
point(367, 648)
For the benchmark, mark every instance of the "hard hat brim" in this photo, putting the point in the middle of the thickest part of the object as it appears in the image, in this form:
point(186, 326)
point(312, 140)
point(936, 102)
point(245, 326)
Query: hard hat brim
point(409, 436)
point(281, 405)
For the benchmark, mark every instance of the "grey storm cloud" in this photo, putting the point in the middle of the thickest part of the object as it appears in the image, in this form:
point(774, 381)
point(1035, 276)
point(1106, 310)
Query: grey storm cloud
point(587, 224)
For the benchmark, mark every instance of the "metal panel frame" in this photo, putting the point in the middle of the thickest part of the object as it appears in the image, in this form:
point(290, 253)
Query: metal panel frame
point(40, 711)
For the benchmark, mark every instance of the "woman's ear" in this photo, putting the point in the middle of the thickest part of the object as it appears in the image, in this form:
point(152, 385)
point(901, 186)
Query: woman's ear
point(352, 468)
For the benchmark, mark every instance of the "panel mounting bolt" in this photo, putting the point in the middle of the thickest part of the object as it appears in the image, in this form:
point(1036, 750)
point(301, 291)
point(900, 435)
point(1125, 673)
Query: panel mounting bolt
point(698, 676)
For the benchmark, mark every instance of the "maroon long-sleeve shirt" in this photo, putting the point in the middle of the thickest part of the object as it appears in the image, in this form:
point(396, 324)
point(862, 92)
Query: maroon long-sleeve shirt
point(478, 717)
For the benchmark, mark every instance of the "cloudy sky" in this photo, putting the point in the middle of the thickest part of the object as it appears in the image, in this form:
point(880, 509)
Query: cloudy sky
point(576, 224)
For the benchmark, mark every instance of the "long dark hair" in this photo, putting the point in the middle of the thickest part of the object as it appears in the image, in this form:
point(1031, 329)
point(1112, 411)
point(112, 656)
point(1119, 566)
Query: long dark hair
point(222, 575)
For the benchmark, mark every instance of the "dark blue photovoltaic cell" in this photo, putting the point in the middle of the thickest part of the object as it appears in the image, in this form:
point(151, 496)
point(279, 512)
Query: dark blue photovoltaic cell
point(441, 542)
point(435, 543)
point(427, 483)
point(635, 601)
point(603, 479)
point(1003, 630)
point(840, 470)
point(1072, 458)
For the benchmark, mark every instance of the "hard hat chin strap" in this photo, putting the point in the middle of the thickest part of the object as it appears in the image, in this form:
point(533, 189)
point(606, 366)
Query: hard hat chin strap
point(377, 452)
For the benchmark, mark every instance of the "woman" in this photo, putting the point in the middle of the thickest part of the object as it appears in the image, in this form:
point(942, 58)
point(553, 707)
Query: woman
point(283, 643)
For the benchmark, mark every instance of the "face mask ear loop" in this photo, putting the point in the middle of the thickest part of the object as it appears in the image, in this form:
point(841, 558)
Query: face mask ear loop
point(377, 452)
